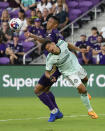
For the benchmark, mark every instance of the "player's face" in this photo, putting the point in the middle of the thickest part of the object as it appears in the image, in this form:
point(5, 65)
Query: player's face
point(51, 48)
point(51, 24)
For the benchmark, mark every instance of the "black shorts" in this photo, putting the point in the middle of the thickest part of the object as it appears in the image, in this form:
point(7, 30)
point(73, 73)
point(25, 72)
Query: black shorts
point(44, 81)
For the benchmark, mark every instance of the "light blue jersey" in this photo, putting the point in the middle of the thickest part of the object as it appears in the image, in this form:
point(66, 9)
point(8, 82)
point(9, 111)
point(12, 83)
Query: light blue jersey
point(66, 61)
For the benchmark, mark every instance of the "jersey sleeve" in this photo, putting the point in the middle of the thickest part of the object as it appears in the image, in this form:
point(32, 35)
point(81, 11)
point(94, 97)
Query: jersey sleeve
point(33, 1)
point(49, 63)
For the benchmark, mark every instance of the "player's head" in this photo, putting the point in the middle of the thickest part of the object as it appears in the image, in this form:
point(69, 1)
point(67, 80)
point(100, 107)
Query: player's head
point(50, 47)
point(52, 23)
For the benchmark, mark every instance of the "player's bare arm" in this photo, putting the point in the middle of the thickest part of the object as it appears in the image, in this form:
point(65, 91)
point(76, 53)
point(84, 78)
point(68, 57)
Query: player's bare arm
point(49, 75)
point(73, 47)
point(37, 38)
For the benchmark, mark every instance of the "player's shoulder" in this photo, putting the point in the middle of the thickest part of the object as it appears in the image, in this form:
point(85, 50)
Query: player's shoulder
point(51, 57)
point(61, 42)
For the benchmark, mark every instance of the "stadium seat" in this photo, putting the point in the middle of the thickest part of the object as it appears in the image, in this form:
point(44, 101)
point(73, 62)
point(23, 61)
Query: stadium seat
point(94, 1)
point(14, 14)
point(27, 46)
point(72, 4)
point(4, 60)
point(74, 13)
point(85, 5)
point(22, 37)
point(4, 5)
point(28, 13)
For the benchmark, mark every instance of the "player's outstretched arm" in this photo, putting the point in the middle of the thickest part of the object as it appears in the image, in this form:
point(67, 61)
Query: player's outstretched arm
point(73, 47)
point(48, 74)
point(37, 38)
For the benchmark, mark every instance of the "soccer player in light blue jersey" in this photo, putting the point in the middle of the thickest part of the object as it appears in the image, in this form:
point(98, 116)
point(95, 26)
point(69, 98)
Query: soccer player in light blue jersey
point(67, 63)
point(42, 89)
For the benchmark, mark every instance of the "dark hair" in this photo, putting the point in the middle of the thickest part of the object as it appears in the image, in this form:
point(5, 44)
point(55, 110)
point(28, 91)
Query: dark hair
point(94, 28)
point(22, 11)
point(83, 35)
point(43, 3)
point(45, 43)
point(39, 12)
point(55, 18)
point(83, 46)
point(100, 36)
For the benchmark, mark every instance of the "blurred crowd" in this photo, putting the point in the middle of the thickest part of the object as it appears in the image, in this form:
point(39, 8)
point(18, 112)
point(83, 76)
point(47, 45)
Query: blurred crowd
point(95, 45)
point(35, 14)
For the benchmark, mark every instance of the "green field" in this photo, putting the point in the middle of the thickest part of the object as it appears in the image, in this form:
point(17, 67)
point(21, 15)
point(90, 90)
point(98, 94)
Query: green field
point(29, 114)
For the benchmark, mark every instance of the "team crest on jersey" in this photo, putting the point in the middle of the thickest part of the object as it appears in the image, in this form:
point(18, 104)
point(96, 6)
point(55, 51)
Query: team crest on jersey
point(75, 80)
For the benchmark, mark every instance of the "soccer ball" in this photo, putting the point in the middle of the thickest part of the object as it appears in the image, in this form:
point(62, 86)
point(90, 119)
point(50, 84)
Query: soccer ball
point(15, 24)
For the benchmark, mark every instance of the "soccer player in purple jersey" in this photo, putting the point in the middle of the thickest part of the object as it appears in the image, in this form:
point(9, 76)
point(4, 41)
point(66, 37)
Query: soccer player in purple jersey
point(44, 84)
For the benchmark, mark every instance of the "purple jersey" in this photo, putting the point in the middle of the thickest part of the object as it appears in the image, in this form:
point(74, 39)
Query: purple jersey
point(92, 39)
point(96, 46)
point(102, 58)
point(88, 56)
point(29, 28)
point(17, 48)
point(54, 36)
point(2, 49)
point(37, 31)
point(82, 43)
